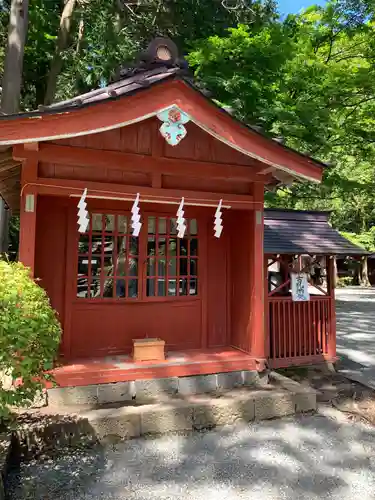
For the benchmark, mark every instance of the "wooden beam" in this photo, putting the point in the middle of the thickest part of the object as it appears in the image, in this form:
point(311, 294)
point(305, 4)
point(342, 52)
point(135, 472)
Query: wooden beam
point(8, 166)
point(86, 157)
point(268, 170)
point(11, 176)
point(5, 155)
point(31, 146)
point(256, 327)
point(28, 215)
point(64, 187)
point(331, 341)
point(156, 180)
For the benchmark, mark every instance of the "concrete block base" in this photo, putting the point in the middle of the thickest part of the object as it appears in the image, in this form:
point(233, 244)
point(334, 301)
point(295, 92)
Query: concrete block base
point(272, 405)
point(150, 390)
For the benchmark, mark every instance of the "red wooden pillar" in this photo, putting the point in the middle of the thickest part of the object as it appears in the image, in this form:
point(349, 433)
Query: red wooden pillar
point(332, 321)
point(256, 328)
point(266, 309)
point(28, 214)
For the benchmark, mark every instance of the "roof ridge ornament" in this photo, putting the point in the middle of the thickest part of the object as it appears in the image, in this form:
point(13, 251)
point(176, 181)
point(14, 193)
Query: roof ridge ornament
point(172, 128)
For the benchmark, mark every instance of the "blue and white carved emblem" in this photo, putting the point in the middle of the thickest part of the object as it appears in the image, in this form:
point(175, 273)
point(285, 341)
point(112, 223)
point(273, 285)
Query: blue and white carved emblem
point(173, 129)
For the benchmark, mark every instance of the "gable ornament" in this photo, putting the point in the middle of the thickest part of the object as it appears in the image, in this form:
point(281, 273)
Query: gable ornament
point(172, 128)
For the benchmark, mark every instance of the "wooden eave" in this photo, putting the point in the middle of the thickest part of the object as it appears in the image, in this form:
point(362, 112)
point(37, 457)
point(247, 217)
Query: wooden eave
point(10, 174)
point(147, 102)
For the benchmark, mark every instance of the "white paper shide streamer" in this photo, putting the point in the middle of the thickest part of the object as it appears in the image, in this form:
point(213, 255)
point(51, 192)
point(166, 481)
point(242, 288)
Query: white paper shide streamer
point(136, 218)
point(218, 227)
point(181, 226)
point(83, 215)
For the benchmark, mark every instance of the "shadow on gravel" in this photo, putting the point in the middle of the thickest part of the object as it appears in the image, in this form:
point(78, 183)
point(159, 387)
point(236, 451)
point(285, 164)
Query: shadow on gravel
point(308, 457)
point(356, 329)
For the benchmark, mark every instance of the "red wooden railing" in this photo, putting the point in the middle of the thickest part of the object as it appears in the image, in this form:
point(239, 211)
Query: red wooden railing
point(299, 332)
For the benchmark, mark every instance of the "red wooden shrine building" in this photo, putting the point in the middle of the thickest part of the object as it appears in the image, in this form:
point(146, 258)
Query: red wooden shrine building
point(208, 297)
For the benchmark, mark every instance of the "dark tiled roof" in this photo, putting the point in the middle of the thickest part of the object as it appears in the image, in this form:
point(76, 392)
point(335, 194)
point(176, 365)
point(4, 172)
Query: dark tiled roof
point(134, 82)
point(299, 232)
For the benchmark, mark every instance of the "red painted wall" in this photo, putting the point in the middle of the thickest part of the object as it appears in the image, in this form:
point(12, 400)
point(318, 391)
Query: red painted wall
point(240, 234)
point(142, 137)
point(50, 251)
point(218, 317)
point(217, 287)
point(95, 329)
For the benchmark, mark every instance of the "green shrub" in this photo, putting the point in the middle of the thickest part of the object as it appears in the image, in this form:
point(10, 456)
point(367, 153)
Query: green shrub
point(29, 336)
point(344, 281)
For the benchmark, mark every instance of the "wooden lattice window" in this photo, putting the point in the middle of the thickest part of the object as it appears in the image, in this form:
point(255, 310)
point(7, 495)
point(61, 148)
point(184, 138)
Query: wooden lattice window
point(112, 264)
point(108, 258)
point(172, 263)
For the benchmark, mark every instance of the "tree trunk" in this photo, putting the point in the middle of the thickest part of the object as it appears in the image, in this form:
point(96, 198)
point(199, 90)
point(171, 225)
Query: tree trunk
point(62, 43)
point(12, 79)
point(12, 82)
point(335, 272)
point(364, 273)
point(81, 31)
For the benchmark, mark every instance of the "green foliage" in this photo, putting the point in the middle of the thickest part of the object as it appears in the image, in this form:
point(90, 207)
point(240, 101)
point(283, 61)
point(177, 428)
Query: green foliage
point(318, 93)
point(29, 335)
point(107, 34)
point(244, 68)
point(344, 281)
point(14, 230)
point(365, 240)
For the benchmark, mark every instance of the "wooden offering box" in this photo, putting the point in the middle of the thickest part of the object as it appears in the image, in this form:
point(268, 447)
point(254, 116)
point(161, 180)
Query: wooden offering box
point(148, 350)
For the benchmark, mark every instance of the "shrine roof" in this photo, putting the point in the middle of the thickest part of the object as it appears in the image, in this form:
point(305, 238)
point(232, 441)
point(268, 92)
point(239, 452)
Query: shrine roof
point(297, 232)
point(133, 81)
point(140, 93)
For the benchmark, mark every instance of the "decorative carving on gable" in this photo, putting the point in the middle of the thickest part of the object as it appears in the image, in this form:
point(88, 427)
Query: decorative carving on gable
point(172, 128)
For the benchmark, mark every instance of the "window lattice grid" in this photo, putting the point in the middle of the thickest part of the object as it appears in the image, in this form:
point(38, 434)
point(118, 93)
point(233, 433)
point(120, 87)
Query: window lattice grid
point(108, 259)
point(172, 263)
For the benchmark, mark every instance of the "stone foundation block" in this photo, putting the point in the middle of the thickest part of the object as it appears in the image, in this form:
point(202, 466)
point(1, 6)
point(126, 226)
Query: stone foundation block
point(197, 384)
point(224, 411)
point(152, 389)
point(250, 378)
point(305, 401)
point(111, 425)
point(159, 419)
point(81, 395)
point(207, 415)
point(270, 405)
point(228, 381)
point(246, 407)
point(117, 392)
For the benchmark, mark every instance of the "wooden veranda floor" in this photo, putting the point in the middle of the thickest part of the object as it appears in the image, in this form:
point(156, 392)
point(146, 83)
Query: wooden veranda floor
point(109, 369)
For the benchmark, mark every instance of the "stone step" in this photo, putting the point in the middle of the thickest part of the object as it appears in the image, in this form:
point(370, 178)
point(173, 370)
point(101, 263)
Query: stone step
point(44, 428)
point(151, 390)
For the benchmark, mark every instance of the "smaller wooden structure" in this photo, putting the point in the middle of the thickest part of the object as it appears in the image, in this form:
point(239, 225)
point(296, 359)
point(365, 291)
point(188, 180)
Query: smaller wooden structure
point(302, 332)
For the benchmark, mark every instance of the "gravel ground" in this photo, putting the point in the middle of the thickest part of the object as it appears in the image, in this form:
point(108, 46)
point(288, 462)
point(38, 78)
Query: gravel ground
point(356, 326)
point(327, 455)
point(306, 457)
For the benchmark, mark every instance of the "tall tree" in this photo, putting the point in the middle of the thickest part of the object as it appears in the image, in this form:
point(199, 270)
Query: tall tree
point(12, 81)
point(12, 76)
point(61, 45)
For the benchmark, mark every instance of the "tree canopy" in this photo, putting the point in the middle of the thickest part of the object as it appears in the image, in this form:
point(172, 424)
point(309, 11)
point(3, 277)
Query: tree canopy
point(308, 79)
